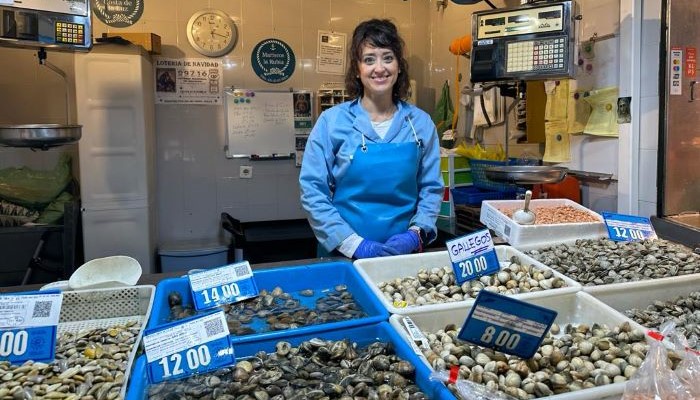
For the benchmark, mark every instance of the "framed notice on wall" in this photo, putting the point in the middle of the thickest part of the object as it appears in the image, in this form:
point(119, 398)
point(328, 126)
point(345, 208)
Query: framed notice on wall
point(331, 54)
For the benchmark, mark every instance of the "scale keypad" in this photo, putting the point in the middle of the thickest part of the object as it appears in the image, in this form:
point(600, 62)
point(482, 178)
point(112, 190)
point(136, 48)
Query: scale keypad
point(536, 55)
point(68, 32)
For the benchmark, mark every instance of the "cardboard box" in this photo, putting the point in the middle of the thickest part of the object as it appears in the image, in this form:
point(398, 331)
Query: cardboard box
point(149, 41)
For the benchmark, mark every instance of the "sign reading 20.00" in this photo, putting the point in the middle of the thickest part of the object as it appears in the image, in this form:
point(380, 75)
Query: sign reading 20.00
point(472, 256)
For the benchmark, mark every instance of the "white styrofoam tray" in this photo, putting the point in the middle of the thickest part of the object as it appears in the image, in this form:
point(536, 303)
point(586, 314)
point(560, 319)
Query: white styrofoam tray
point(102, 308)
point(377, 270)
point(571, 308)
point(520, 235)
point(640, 294)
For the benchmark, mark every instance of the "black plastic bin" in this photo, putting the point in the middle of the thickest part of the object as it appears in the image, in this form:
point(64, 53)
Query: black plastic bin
point(269, 241)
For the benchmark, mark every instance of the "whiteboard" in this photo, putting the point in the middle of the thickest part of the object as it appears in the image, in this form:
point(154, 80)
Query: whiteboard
point(259, 123)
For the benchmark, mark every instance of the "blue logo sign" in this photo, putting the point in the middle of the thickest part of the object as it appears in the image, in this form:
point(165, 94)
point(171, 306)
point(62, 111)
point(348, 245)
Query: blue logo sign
point(273, 60)
point(228, 284)
point(625, 228)
point(507, 325)
point(472, 256)
point(187, 347)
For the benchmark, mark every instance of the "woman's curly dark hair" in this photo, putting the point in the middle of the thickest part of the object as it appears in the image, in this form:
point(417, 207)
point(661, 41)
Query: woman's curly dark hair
point(380, 33)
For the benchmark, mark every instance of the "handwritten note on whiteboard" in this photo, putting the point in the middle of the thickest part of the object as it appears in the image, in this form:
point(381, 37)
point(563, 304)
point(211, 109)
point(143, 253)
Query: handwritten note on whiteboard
point(259, 123)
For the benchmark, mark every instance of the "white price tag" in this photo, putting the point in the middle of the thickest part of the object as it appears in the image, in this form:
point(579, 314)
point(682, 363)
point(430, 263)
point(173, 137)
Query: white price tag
point(220, 276)
point(184, 336)
point(26, 311)
point(416, 335)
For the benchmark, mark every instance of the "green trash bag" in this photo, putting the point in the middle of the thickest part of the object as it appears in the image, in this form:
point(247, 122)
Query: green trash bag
point(53, 213)
point(34, 189)
point(442, 117)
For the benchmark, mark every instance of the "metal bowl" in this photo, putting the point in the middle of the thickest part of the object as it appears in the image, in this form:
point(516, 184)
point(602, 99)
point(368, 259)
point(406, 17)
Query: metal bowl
point(526, 174)
point(39, 136)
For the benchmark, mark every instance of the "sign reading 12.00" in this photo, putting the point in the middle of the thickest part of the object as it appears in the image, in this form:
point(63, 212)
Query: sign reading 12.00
point(507, 325)
point(472, 256)
point(186, 347)
point(624, 228)
point(28, 326)
point(227, 284)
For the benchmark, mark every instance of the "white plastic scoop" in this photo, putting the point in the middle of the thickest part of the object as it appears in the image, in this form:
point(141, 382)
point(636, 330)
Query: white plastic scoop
point(525, 216)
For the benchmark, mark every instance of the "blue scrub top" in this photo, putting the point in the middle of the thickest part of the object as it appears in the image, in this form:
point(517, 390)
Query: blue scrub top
point(328, 155)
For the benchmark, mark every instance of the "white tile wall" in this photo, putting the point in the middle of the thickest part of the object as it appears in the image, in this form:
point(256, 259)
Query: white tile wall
point(649, 126)
point(647, 169)
point(195, 181)
point(647, 208)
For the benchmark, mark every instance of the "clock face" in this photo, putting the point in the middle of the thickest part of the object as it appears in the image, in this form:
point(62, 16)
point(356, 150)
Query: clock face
point(212, 32)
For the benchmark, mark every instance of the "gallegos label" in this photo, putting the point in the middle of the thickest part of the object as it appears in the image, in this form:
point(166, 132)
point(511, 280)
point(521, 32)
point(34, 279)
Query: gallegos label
point(472, 256)
point(186, 347)
point(625, 228)
point(228, 284)
point(28, 326)
point(506, 325)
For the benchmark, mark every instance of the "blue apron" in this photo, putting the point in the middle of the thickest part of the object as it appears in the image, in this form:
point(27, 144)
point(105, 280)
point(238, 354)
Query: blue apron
point(377, 196)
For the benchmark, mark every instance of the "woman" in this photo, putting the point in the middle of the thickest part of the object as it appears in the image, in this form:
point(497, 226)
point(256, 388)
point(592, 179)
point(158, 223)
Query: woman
point(370, 179)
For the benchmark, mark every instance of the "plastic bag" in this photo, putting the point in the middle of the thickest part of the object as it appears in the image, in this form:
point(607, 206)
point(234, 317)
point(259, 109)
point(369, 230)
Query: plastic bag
point(655, 380)
point(444, 112)
point(53, 213)
point(34, 189)
point(14, 215)
point(467, 389)
point(478, 152)
point(688, 369)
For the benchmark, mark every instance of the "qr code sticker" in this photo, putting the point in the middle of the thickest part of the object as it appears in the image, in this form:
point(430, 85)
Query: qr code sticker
point(241, 270)
point(42, 309)
point(213, 327)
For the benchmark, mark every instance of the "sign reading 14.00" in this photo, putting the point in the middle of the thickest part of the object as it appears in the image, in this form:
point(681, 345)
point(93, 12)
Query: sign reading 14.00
point(28, 326)
point(624, 228)
point(472, 256)
point(227, 284)
point(188, 347)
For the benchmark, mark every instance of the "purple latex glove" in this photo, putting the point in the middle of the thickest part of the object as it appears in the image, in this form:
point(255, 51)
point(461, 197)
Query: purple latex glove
point(370, 249)
point(404, 243)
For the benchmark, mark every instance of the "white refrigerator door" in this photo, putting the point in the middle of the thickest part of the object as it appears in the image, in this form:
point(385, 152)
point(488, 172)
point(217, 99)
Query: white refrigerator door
point(123, 232)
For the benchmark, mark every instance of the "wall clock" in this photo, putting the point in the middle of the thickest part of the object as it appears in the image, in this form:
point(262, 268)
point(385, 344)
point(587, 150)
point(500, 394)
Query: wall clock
point(212, 32)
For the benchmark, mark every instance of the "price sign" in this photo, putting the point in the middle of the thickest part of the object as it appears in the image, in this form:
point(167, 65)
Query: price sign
point(507, 325)
point(472, 256)
point(625, 228)
point(28, 326)
point(227, 284)
point(186, 347)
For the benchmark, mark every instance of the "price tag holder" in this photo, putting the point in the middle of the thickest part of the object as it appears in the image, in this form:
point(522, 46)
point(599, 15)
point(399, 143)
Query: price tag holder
point(625, 228)
point(189, 346)
point(507, 325)
point(416, 335)
point(472, 256)
point(228, 284)
point(28, 324)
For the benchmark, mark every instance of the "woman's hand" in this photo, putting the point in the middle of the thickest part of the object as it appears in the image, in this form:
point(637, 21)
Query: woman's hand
point(370, 249)
point(404, 243)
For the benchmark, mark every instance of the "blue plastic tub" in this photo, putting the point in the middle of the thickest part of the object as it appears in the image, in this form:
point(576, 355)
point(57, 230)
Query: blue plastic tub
point(290, 279)
point(474, 196)
point(362, 335)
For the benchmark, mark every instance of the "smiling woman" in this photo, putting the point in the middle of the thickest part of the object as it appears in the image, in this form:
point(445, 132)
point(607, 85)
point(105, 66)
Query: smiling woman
point(370, 179)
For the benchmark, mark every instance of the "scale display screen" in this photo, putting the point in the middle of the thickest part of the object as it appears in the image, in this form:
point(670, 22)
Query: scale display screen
point(527, 42)
point(509, 23)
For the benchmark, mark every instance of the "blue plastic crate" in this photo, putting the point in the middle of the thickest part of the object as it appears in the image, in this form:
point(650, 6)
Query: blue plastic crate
point(290, 279)
point(362, 335)
point(480, 181)
point(474, 196)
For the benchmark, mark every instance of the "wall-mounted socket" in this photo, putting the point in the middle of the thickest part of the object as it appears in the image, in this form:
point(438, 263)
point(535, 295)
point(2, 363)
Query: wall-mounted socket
point(246, 172)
